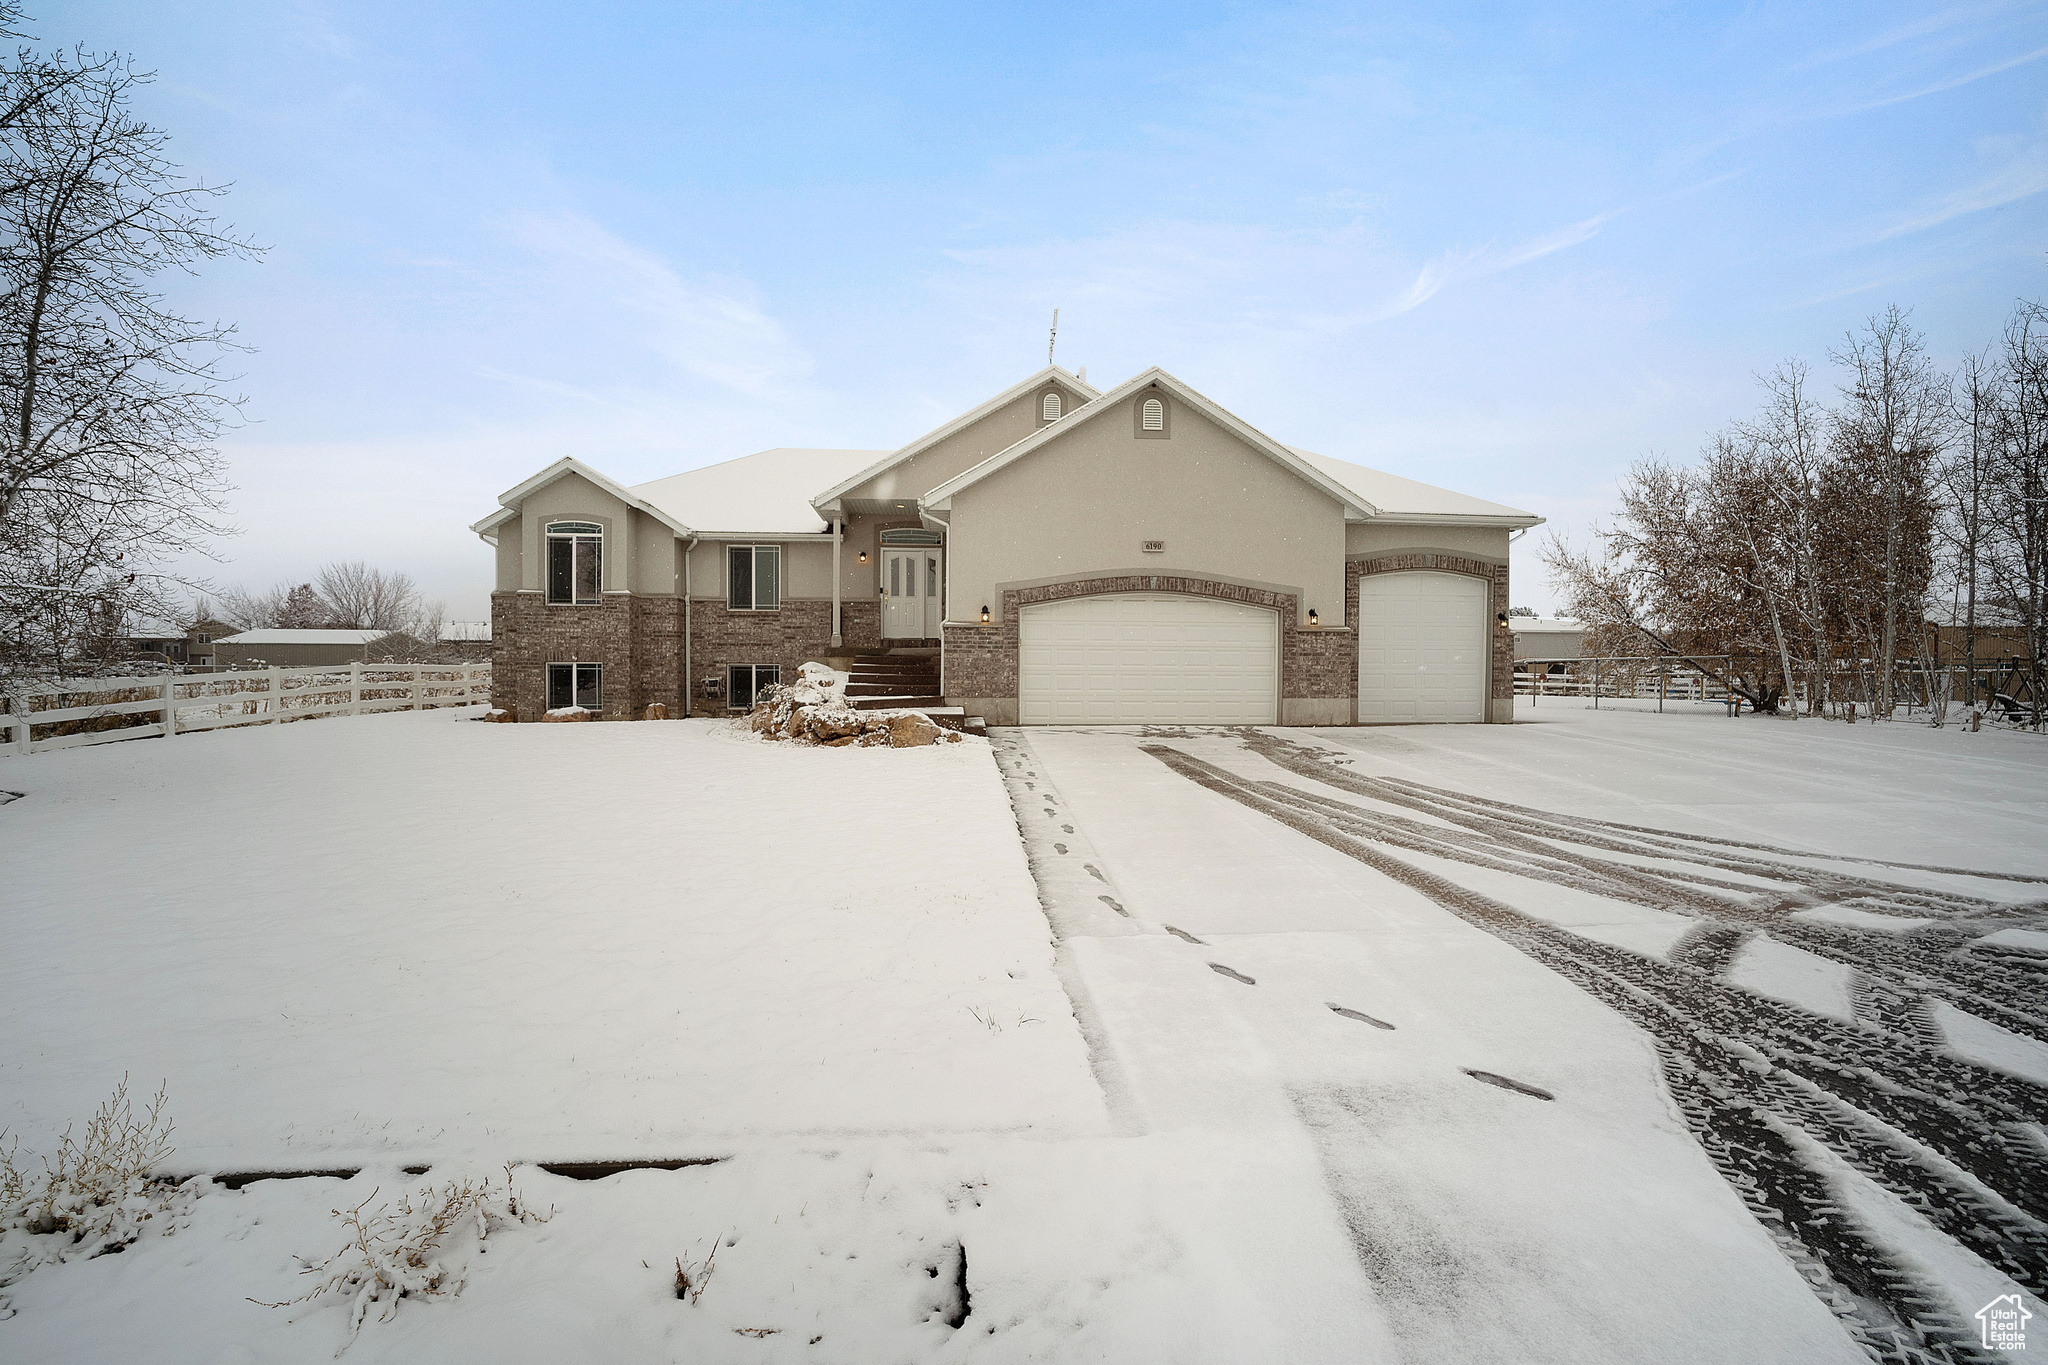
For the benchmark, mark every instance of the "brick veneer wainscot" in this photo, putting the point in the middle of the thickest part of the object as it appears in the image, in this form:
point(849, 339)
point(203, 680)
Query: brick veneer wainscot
point(1496, 576)
point(981, 661)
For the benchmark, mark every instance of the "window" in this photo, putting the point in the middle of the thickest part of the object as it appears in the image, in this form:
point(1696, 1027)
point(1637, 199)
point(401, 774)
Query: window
point(1154, 415)
point(910, 536)
point(753, 580)
point(931, 576)
point(1052, 407)
point(576, 685)
point(575, 561)
point(745, 682)
point(202, 639)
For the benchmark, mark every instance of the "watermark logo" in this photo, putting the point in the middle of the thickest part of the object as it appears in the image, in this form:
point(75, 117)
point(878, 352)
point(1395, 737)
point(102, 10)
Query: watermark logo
point(2004, 1322)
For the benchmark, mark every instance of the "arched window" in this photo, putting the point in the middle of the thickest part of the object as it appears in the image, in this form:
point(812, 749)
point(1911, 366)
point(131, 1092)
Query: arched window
point(575, 561)
point(1153, 415)
point(1052, 407)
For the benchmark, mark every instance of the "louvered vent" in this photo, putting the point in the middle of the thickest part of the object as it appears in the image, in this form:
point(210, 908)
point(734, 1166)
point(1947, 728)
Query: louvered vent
point(1154, 415)
point(1052, 407)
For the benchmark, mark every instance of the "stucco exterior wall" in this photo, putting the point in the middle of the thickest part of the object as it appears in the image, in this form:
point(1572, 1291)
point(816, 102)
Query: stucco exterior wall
point(969, 446)
point(1474, 542)
point(1084, 502)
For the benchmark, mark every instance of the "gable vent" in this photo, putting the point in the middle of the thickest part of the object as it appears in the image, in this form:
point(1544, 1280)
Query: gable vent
point(1052, 407)
point(1153, 415)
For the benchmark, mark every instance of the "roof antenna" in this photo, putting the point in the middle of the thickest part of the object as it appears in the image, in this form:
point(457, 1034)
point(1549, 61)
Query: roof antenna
point(1053, 340)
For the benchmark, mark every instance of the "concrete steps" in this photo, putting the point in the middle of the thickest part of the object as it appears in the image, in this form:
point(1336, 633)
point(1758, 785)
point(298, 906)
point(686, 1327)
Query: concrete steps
point(906, 681)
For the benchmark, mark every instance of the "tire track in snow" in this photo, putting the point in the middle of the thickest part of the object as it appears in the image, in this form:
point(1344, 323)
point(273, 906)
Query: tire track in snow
point(1764, 1085)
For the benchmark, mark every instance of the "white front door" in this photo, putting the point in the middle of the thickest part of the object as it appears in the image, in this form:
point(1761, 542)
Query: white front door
point(911, 580)
point(1423, 641)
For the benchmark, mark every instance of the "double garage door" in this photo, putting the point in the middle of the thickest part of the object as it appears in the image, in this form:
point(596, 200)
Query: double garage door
point(1146, 658)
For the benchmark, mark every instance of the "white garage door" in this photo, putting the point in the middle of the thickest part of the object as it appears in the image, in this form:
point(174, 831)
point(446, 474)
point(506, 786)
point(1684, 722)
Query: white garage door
point(1422, 648)
point(1128, 660)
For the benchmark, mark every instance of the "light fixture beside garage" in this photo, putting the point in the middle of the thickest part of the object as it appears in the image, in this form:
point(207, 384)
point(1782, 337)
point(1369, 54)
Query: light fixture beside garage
point(984, 615)
point(1502, 618)
point(863, 556)
point(1313, 619)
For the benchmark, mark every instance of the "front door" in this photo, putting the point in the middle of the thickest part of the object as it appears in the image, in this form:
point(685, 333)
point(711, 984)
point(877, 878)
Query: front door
point(910, 592)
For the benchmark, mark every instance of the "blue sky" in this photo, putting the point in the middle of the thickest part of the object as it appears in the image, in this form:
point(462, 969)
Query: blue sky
point(1506, 250)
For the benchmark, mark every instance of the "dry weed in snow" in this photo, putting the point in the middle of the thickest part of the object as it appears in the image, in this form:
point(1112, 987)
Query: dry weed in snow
point(99, 1195)
point(410, 1249)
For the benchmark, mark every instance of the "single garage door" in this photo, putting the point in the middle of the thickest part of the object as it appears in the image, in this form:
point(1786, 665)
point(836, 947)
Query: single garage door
point(1128, 660)
point(1422, 648)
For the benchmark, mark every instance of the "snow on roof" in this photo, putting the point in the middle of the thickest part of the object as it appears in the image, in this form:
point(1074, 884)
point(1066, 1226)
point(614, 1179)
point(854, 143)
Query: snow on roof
point(466, 632)
point(304, 637)
point(1397, 497)
point(152, 628)
point(767, 492)
point(1544, 625)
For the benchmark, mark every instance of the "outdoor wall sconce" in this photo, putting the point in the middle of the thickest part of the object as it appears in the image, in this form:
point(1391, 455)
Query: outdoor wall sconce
point(863, 556)
point(984, 615)
point(1313, 619)
point(1501, 617)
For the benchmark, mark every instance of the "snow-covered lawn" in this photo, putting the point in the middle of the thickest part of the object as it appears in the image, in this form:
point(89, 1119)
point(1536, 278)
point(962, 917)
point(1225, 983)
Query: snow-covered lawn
point(1136, 1073)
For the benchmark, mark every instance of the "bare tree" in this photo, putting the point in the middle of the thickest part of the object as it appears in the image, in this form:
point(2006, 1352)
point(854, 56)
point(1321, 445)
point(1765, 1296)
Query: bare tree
point(1976, 399)
point(366, 598)
point(2016, 503)
point(1789, 437)
point(1895, 422)
point(109, 399)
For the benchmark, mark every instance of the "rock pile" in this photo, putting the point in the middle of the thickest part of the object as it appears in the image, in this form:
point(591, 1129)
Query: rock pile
point(813, 710)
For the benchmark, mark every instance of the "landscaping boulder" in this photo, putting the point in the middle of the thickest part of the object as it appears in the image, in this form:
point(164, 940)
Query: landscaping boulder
point(657, 710)
point(911, 730)
point(501, 715)
point(813, 710)
point(562, 713)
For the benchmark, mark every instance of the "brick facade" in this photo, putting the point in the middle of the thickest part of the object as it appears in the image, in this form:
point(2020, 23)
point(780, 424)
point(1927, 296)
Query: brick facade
point(981, 661)
point(1496, 576)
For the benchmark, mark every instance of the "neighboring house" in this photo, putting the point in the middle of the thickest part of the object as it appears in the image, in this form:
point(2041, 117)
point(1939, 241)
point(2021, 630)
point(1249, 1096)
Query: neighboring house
point(1540, 637)
point(1071, 556)
point(465, 639)
point(156, 642)
point(163, 642)
point(200, 638)
point(296, 648)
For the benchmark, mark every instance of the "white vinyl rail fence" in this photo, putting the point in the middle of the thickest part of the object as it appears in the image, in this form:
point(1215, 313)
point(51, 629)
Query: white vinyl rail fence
point(63, 715)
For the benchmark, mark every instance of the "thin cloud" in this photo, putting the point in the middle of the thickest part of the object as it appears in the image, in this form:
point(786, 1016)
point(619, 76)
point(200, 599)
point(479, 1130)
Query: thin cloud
point(1453, 266)
point(2026, 177)
point(713, 328)
point(1933, 23)
point(2023, 59)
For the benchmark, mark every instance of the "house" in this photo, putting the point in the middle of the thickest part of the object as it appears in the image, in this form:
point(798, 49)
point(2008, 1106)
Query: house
point(163, 642)
point(296, 648)
point(1543, 637)
point(1069, 556)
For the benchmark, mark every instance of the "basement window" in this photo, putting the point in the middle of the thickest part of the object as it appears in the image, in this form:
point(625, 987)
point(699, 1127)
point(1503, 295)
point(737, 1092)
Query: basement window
point(575, 561)
point(753, 579)
point(745, 682)
point(576, 685)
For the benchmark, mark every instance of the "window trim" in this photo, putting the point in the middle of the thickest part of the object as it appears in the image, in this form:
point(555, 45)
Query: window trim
point(574, 666)
point(754, 683)
point(574, 530)
point(755, 548)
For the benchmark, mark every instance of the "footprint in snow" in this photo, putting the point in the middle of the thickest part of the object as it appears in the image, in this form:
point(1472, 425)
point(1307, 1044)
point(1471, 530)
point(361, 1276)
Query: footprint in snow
point(1219, 968)
point(1354, 1014)
point(1183, 934)
point(1061, 847)
point(1506, 1084)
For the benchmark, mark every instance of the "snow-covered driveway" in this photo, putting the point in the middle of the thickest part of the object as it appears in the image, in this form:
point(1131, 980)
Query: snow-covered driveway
point(1509, 1161)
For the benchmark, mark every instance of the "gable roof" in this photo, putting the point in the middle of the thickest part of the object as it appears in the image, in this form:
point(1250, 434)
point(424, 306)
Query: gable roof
point(511, 498)
point(1407, 502)
point(958, 424)
point(760, 494)
point(1356, 507)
